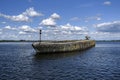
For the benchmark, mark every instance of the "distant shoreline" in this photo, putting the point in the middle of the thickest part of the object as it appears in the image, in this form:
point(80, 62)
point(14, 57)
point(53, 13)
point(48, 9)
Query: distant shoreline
point(107, 40)
point(51, 40)
point(17, 41)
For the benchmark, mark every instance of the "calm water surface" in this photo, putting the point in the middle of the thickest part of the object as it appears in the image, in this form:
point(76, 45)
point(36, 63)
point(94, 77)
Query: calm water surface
point(19, 62)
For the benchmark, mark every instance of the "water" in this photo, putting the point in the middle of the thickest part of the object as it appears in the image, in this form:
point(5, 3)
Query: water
point(19, 62)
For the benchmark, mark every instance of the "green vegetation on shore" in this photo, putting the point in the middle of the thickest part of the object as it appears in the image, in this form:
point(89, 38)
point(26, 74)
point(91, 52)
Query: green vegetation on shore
point(108, 40)
point(18, 40)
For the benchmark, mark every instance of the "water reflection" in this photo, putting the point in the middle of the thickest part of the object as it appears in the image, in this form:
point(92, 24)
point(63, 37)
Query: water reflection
point(52, 56)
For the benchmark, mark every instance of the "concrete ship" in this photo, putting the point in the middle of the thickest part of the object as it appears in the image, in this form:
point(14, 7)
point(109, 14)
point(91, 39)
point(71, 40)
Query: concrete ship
point(62, 46)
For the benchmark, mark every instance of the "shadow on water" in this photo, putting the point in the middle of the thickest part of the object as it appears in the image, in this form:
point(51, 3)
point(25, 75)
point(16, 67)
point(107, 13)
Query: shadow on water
point(52, 56)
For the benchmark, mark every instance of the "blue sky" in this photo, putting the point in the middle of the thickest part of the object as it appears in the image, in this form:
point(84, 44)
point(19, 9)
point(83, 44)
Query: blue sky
point(59, 19)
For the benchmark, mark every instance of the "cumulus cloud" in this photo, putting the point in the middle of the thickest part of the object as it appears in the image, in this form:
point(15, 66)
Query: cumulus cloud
point(55, 16)
point(62, 32)
point(22, 32)
point(20, 17)
point(69, 31)
point(23, 17)
point(21, 29)
point(104, 36)
point(51, 21)
point(48, 22)
point(109, 26)
point(27, 28)
point(72, 28)
point(31, 12)
point(24, 29)
point(9, 28)
point(107, 3)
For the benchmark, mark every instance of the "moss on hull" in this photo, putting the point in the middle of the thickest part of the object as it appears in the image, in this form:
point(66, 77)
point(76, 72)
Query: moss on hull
point(62, 46)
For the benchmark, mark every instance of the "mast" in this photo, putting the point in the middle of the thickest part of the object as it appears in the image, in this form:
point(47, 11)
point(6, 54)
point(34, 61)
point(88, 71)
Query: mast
point(40, 35)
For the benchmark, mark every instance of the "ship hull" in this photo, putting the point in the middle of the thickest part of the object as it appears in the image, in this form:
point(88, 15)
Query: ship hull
point(62, 46)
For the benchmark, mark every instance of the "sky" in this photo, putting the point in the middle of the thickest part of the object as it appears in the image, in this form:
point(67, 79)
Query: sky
point(59, 19)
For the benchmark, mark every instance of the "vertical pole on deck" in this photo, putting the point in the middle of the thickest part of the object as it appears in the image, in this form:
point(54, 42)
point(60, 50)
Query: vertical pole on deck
point(40, 35)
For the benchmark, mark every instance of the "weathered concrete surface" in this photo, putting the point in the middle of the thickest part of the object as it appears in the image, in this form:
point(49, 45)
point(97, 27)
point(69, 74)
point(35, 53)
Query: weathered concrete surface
point(62, 46)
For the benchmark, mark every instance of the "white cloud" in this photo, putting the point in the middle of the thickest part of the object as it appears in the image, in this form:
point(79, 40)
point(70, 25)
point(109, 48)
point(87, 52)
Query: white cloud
point(104, 36)
point(21, 32)
point(9, 28)
point(31, 12)
point(98, 18)
point(51, 21)
point(24, 32)
point(107, 3)
point(23, 17)
point(21, 29)
point(55, 16)
point(27, 28)
point(40, 27)
point(20, 17)
point(62, 32)
point(72, 28)
point(48, 22)
point(13, 36)
point(109, 26)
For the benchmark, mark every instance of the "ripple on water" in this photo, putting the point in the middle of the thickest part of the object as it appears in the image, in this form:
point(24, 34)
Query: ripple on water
point(19, 62)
